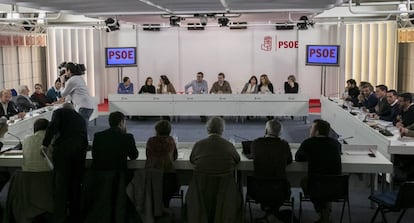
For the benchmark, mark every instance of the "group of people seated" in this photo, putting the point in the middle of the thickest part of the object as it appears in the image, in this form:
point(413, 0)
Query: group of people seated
point(383, 104)
point(200, 86)
point(213, 193)
point(24, 102)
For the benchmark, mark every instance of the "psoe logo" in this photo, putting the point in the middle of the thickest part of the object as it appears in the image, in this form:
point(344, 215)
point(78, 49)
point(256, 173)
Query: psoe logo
point(267, 43)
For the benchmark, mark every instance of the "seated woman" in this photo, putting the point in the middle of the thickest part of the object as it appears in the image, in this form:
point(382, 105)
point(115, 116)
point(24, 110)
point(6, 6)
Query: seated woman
point(291, 86)
point(126, 87)
point(147, 88)
point(251, 86)
point(265, 86)
point(161, 152)
point(165, 86)
point(39, 97)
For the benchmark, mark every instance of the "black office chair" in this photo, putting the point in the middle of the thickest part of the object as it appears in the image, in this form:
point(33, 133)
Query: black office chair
point(269, 192)
point(394, 201)
point(327, 188)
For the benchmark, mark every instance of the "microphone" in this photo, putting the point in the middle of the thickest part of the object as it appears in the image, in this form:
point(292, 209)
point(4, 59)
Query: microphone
point(19, 145)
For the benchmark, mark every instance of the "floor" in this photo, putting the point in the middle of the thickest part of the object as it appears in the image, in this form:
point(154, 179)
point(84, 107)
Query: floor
point(189, 129)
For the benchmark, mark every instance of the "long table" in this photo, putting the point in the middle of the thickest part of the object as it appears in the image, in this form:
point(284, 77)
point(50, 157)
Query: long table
point(210, 104)
point(348, 125)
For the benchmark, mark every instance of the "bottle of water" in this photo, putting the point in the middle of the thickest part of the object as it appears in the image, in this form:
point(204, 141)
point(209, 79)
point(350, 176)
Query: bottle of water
point(175, 137)
point(232, 141)
point(30, 112)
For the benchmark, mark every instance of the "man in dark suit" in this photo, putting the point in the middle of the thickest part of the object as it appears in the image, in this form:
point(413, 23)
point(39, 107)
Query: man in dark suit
point(395, 107)
point(367, 98)
point(23, 100)
point(271, 155)
point(383, 108)
point(8, 108)
point(323, 155)
point(69, 151)
point(112, 147)
point(406, 116)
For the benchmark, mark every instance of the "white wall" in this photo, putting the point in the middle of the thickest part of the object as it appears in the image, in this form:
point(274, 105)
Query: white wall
point(180, 54)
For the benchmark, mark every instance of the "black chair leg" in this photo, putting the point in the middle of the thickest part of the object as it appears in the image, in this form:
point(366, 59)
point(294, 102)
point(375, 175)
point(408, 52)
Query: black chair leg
point(375, 215)
point(349, 212)
point(300, 207)
point(293, 210)
point(401, 215)
point(342, 212)
point(384, 219)
point(250, 212)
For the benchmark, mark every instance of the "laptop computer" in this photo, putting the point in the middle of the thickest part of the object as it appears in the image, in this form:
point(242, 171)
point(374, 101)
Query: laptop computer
point(246, 149)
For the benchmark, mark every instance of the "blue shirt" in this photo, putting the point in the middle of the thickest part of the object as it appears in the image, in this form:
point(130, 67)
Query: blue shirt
point(53, 94)
point(198, 87)
point(122, 89)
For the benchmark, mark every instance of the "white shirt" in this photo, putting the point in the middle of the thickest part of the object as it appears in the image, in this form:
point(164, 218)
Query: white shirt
point(250, 88)
point(76, 88)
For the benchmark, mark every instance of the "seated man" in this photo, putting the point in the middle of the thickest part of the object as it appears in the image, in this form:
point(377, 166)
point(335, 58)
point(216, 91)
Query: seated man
point(395, 107)
point(323, 155)
point(383, 108)
point(221, 86)
point(407, 131)
point(214, 160)
point(54, 92)
point(39, 97)
point(23, 100)
point(406, 116)
point(32, 158)
point(8, 108)
point(367, 98)
point(112, 147)
point(271, 155)
point(126, 87)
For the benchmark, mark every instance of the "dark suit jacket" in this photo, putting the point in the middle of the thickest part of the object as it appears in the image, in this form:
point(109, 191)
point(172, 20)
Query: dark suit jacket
point(407, 117)
point(69, 127)
point(271, 156)
point(383, 108)
point(323, 155)
point(161, 152)
point(111, 148)
point(392, 116)
point(12, 109)
point(291, 90)
point(24, 103)
point(370, 102)
point(40, 99)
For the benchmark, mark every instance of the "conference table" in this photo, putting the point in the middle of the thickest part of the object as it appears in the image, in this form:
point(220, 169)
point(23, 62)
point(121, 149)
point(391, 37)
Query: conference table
point(210, 104)
point(355, 159)
point(360, 130)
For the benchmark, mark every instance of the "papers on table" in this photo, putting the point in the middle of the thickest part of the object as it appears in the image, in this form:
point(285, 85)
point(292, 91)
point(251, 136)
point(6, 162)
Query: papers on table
point(180, 155)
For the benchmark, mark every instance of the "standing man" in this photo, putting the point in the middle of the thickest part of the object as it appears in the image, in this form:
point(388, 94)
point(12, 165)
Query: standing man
point(8, 107)
point(69, 150)
point(221, 86)
point(75, 87)
point(199, 85)
point(323, 155)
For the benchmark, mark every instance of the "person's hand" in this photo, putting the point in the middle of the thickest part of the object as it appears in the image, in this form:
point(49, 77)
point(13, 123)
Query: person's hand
point(403, 131)
point(375, 116)
point(399, 125)
point(21, 115)
point(361, 98)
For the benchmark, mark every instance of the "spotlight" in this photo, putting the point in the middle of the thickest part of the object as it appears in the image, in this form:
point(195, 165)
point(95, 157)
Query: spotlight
point(304, 25)
point(111, 24)
point(174, 20)
point(203, 21)
point(223, 21)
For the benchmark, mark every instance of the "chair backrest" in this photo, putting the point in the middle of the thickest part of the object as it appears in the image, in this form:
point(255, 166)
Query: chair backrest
point(328, 187)
point(267, 190)
point(405, 197)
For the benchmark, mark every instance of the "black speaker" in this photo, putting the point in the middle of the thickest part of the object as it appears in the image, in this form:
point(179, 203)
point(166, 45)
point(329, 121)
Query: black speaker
point(195, 26)
point(285, 26)
point(151, 27)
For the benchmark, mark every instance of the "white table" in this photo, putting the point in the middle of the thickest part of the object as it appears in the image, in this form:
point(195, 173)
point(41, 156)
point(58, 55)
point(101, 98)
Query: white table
point(348, 125)
point(210, 104)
